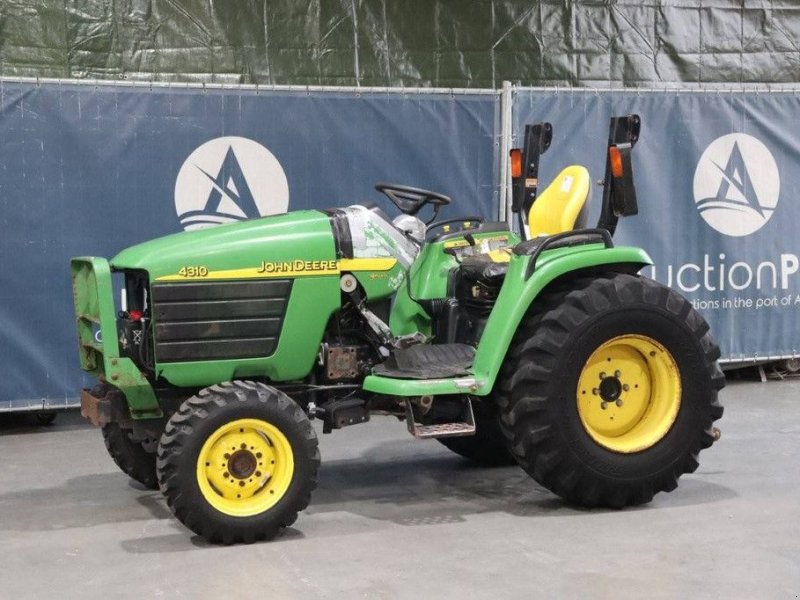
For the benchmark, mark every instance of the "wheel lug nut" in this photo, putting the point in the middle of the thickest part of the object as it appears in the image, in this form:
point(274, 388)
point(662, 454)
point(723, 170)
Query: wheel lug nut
point(604, 405)
point(227, 455)
point(625, 387)
point(602, 374)
point(617, 373)
point(225, 475)
point(595, 391)
point(241, 484)
point(619, 402)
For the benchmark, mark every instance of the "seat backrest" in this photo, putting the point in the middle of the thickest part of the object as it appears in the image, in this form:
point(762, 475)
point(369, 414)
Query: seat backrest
point(563, 206)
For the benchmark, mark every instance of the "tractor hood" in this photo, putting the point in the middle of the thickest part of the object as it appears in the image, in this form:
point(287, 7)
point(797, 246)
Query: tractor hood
point(235, 250)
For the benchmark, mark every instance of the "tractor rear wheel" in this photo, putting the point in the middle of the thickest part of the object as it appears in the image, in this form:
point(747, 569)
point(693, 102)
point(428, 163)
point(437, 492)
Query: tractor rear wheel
point(130, 455)
point(488, 446)
point(609, 391)
point(237, 462)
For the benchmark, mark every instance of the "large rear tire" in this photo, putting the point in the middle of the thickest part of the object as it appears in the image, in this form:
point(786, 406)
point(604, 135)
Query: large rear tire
point(237, 462)
point(609, 390)
point(488, 446)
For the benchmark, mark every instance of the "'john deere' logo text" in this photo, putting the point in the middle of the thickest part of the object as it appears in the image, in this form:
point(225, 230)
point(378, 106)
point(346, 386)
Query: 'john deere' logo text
point(296, 266)
point(229, 179)
point(736, 184)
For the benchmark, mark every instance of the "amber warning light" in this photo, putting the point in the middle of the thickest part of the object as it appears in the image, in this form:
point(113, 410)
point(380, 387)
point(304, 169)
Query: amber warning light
point(516, 163)
point(616, 161)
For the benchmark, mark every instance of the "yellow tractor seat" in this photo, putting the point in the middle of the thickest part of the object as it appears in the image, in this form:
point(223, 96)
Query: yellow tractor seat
point(563, 206)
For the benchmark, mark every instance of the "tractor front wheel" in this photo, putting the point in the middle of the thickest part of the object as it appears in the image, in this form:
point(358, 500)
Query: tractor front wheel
point(237, 462)
point(610, 390)
point(130, 455)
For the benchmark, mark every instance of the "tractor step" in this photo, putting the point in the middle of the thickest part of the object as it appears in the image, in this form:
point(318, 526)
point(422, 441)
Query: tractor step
point(441, 430)
point(428, 361)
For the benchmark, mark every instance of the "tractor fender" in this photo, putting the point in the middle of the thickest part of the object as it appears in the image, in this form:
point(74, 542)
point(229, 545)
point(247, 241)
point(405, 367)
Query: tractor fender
point(520, 290)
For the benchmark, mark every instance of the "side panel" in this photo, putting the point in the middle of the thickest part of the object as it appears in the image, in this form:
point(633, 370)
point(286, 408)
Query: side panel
point(407, 316)
point(380, 283)
point(311, 303)
point(212, 320)
point(429, 279)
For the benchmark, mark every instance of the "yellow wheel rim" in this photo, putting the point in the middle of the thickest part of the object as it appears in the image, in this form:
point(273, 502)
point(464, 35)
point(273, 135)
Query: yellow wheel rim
point(245, 467)
point(629, 393)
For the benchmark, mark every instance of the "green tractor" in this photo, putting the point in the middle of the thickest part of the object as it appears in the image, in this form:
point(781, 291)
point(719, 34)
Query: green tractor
point(544, 348)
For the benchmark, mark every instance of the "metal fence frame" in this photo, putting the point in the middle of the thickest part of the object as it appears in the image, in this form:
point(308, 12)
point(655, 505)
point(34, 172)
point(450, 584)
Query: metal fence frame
point(505, 135)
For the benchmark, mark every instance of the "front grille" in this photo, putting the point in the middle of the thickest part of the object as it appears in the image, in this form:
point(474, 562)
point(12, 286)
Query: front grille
point(218, 320)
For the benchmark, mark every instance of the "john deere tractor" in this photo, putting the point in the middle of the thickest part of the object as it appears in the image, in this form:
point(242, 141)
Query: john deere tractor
point(543, 347)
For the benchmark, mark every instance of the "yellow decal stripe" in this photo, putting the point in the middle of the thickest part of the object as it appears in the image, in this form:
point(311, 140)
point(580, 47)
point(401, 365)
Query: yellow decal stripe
point(367, 264)
point(261, 272)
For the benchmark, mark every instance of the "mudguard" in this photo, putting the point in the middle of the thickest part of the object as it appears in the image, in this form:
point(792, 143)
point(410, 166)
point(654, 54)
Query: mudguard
point(520, 289)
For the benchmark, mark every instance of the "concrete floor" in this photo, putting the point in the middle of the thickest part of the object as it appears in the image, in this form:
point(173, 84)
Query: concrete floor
point(397, 518)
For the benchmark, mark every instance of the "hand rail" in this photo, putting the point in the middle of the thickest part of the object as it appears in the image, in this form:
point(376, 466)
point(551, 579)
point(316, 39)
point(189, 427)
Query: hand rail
point(536, 246)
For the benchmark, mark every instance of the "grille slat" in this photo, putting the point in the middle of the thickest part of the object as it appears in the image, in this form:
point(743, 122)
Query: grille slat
point(216, 350)
point(208, 330)
point(219, 309)
point(228, 290)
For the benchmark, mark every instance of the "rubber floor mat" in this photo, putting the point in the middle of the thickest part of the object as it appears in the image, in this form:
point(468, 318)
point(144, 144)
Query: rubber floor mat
point(428, 361)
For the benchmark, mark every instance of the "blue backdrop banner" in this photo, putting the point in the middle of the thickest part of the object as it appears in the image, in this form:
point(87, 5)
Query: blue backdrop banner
point(717, 185)
point(88, 170)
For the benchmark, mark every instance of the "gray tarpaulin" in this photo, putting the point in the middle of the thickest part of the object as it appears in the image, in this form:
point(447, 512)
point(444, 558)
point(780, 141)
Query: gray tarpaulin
point(719, 199)
point(87, 170)
point(441, 43)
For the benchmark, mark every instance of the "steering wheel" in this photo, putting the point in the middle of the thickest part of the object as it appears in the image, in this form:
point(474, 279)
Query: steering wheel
point(410, 199)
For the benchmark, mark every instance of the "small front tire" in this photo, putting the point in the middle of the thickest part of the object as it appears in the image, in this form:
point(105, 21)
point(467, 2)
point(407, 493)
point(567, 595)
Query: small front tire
point(130, 455)
point(237, 462)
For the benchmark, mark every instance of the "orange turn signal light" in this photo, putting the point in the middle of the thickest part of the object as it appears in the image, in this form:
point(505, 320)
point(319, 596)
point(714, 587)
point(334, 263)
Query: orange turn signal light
point(615, 157)
point(516, 162)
